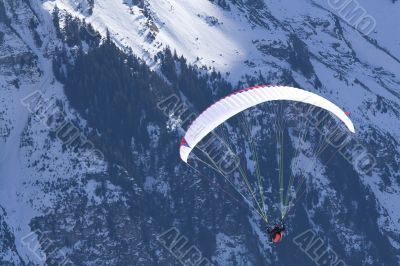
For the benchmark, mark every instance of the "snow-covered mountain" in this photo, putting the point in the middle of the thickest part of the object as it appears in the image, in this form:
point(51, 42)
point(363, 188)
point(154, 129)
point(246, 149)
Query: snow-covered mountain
point(113, 211)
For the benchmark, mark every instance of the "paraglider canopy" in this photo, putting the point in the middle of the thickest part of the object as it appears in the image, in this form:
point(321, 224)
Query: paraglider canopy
point(241, 100)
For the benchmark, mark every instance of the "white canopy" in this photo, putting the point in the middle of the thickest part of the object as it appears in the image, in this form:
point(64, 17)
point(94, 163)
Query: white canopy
point(241, 100)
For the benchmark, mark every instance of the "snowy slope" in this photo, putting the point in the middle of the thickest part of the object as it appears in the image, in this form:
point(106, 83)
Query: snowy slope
point(30, 162)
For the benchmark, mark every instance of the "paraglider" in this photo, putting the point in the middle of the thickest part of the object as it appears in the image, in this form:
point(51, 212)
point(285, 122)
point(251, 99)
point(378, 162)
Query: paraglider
point(276, 233)
point(253, 190)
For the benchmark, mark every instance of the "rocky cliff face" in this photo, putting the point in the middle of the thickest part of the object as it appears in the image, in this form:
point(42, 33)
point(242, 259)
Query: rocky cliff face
point(115, 207)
